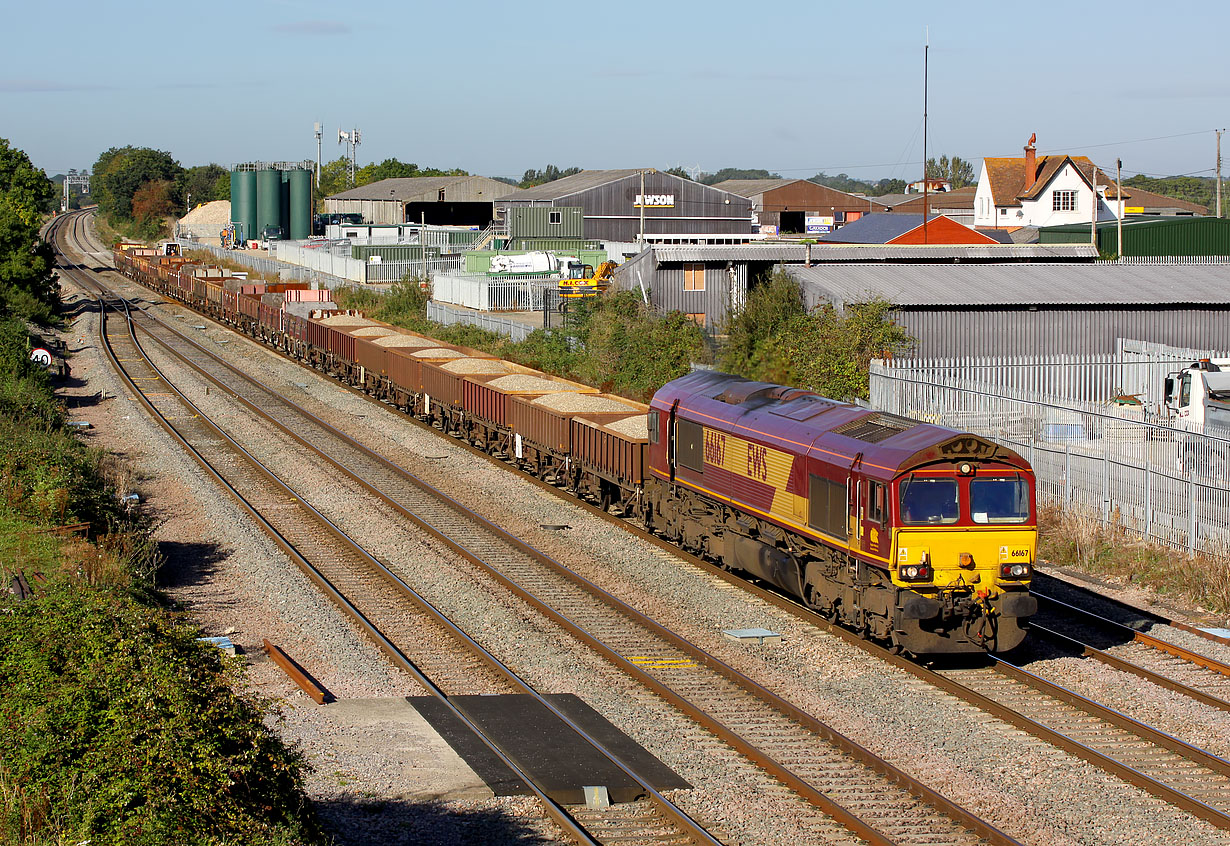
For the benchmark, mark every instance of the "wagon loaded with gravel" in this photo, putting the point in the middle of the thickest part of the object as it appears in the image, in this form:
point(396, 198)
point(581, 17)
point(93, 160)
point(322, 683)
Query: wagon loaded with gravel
point(557, 435)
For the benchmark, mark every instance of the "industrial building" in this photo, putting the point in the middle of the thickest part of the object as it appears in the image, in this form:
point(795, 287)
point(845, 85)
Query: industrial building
point(782, 206)
point(1149, 236)
point(1035, 309)
point(439, 200)
point(709, 282)
point(620, 205)
point(957, 204)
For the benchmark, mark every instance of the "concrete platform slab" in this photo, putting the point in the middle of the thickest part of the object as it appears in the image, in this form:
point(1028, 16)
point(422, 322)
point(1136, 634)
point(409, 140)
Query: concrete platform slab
point(546, 749)
point(417, 763)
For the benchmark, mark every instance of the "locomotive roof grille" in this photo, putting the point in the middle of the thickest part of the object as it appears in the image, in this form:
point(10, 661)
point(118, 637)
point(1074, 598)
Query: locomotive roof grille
point(875, 427)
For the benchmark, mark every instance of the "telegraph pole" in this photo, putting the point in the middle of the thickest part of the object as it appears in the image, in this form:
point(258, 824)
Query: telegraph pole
point(926, 56)
point(1119, 197)
point(319, 133)
point(1219, 170)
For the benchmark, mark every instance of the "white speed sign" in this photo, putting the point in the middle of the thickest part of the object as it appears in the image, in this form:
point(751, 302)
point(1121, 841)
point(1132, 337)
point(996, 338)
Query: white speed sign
point(40, 356)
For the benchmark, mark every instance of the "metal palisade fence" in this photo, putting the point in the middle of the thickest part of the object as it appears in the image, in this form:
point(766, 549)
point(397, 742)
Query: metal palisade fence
point(1093, 429)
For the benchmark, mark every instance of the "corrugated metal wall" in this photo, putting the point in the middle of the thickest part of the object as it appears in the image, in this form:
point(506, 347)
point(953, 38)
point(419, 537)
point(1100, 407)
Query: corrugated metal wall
point(535, 222)
point(1075, 331)
point(373, 211)
point(714, 302)
point(611, 213)
point(1180, 236)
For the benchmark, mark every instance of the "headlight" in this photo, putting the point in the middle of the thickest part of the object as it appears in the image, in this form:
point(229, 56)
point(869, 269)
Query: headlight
point(915, 573)
point(1014, 571)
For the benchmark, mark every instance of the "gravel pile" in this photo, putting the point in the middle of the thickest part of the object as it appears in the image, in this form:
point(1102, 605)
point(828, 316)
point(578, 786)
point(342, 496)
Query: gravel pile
point(438, 352)
point(475, 366)
point(372, 332)
point(636, 427)
point(348, 320)
point(593, 403)
point(219, 211)
point(401, 340)
point(519, 383)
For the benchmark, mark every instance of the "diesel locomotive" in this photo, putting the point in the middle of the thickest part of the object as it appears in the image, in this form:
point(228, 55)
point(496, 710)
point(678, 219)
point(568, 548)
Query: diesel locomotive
point(911, 533)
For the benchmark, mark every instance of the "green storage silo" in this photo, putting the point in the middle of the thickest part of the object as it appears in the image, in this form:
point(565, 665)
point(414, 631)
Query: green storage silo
point(268, 200)
point(243, 202)
point(284, 204)
point(300, 205)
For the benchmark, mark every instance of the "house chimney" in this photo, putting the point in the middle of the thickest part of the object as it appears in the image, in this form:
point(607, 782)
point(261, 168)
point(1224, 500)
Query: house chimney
point(1031, 162)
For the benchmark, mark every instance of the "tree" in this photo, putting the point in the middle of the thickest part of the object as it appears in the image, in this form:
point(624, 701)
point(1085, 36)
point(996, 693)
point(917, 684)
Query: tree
point(200, 184)
point(678, 171)
point(956, 170)
point(775, 339)
point(119, 172)
point(153, 202)
point(550, 174)
point(736, 173)
point(27, 189)
point(28, 287)
point(851, 185)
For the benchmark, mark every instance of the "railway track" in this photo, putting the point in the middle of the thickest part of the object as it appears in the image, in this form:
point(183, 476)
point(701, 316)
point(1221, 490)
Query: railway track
point(862, 792)
point(405, 626)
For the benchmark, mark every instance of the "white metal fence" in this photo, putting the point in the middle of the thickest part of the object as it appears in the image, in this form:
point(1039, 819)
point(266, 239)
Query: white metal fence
point(484, 293)
point(327, 267)
point(448, 315)
point(1117, 460)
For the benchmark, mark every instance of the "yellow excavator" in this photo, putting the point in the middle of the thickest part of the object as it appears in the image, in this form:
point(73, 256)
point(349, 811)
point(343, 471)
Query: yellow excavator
point(581, 280)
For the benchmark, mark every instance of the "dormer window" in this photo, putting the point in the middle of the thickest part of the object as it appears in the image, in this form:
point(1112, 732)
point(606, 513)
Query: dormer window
point(1063, 201)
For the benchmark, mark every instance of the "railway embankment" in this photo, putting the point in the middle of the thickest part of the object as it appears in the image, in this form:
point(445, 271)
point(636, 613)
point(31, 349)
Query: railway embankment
point(117, 724)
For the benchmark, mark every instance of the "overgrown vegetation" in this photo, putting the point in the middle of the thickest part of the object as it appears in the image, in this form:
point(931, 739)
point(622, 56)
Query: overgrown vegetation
point(775, 339)
point(116, 724)
point(1069, 538)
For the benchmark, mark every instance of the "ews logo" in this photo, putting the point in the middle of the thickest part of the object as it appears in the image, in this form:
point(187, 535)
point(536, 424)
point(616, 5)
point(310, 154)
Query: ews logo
point(758, 462)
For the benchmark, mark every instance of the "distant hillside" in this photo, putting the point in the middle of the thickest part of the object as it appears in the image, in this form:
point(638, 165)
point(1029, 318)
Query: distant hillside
point(1194, 189)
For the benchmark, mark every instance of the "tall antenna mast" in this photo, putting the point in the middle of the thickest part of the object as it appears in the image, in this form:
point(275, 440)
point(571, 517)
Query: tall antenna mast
point(926, 58)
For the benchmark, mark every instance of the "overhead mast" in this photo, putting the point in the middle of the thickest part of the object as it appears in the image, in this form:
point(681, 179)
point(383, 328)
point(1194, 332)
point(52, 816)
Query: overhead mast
point(926, 57)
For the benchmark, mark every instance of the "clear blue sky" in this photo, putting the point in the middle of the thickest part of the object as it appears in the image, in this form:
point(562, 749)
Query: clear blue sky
point(497, 88)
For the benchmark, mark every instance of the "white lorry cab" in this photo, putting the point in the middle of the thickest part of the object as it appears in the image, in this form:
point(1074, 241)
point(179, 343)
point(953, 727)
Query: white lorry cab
point(1198, 402)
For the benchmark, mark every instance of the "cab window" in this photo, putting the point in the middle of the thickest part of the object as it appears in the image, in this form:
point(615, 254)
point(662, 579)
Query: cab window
point(1185, 390)
point(927, 501)
point(999, 500)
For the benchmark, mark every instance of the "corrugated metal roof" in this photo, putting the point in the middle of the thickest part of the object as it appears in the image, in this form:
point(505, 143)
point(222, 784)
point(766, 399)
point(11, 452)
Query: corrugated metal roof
point(751, 187)
point(569, 185)
point(1016, 284)
point(402, 189)
point(732, 252)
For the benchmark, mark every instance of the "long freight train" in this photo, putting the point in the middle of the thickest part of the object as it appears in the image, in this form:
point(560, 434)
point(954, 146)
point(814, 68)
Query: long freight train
point(914, 534)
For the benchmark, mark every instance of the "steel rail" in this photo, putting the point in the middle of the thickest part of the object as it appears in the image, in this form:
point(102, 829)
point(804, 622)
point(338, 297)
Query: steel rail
point(766, 762)
point(1118, 663)
point(555, 810)
point(1152, 616)
point(1138, 636)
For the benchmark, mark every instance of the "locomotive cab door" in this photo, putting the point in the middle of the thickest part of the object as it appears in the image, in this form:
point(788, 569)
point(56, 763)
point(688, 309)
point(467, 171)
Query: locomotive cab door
point(670, 440)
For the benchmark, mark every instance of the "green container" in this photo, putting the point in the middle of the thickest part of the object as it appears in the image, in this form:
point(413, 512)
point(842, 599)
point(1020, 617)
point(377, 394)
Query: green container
point(546, 222)
point(268, 201)
point(300, 204)
point(243, 202)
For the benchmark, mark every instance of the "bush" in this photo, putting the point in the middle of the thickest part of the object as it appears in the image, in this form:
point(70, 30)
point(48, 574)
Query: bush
point(118, 725)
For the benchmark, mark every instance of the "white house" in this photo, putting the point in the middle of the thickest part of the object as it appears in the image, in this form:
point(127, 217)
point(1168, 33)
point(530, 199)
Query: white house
point(1046, 191)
